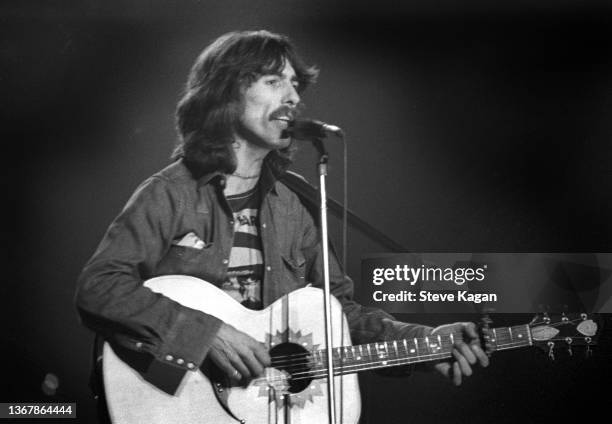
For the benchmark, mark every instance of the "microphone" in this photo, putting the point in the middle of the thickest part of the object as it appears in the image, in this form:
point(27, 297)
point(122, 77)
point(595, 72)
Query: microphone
point(305, 129)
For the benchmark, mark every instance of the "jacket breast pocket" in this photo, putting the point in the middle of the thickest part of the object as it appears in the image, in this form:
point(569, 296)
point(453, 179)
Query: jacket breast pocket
point(295, 264)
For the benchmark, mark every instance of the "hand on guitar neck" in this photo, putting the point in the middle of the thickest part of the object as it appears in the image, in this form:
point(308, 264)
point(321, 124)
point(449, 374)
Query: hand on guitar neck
point(238, 355)
point(466, 351)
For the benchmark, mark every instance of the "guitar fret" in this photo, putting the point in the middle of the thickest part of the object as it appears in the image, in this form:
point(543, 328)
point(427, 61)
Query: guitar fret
point(386, 354)
point(528, 331)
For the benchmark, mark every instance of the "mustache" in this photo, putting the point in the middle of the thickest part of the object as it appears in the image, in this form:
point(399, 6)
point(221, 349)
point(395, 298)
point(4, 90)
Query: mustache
point(292, 112)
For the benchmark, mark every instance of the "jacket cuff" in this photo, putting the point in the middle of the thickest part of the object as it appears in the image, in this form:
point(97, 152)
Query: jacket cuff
point(187, 344)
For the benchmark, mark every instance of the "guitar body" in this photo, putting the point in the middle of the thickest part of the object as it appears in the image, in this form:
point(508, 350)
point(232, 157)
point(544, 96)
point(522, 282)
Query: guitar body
point(292, 325)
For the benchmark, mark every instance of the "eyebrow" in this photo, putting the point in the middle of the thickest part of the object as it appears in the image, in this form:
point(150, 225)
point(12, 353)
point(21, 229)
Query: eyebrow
point(294, 77)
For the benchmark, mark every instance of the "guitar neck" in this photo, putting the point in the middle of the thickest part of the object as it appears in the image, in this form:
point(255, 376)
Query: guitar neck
point(351, 359)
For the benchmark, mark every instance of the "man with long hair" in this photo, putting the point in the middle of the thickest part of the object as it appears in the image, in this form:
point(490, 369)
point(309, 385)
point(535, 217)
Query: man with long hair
point(220, 212)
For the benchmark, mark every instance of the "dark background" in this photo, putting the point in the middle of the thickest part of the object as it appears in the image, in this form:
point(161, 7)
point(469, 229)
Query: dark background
point(472, 127)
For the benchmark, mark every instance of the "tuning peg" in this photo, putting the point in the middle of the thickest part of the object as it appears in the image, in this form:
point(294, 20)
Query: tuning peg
point(551, 348)
point(588, 352)
point(564, 318)
point(568, 340)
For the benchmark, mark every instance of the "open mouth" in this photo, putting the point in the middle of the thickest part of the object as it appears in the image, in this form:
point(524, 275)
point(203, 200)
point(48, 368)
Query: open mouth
point(283, 114)
point(286, 121)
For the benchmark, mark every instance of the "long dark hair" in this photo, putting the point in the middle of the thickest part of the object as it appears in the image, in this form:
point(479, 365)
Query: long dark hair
point(210, 107)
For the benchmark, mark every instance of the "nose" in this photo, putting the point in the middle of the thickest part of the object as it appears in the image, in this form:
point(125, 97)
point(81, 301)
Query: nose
point(291, 97)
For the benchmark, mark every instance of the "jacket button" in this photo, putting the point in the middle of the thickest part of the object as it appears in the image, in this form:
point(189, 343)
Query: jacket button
point(169, 357)
point(138, 345)
point(190, 365)
point(268, 268)
point(180, 361)
point(225, 261)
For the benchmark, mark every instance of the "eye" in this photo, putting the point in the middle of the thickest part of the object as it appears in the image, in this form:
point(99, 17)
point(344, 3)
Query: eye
point(274, 82)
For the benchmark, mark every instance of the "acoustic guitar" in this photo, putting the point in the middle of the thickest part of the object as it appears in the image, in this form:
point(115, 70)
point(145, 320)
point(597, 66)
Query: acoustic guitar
point(294, 389)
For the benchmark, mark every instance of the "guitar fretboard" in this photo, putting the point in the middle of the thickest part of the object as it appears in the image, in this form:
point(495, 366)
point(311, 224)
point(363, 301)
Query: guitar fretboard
point(350, 359)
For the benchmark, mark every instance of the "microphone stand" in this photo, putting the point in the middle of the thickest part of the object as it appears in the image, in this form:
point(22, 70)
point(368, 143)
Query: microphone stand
point(322, 167)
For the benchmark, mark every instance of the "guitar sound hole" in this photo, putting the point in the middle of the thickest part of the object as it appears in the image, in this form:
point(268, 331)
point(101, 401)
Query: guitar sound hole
point(295, 361)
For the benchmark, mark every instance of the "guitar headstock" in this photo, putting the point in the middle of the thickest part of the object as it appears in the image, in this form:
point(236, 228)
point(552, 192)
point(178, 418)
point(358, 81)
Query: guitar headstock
point(548, 332)
point(564, 331)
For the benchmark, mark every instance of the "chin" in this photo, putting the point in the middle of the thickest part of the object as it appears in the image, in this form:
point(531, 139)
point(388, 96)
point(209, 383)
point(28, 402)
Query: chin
point(278, 143)
point(283, 142)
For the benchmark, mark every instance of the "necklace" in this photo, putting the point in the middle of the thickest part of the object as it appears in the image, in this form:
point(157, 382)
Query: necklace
point(245, 177)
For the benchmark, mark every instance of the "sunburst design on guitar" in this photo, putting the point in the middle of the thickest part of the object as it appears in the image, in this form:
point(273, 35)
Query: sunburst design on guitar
point(291, 353)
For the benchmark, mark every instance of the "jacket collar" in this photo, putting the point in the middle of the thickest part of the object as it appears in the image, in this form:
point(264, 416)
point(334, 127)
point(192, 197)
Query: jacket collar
point(267, 179)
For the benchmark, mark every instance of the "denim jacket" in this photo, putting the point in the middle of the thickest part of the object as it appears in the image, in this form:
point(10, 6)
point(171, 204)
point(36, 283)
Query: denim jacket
point(138, 245)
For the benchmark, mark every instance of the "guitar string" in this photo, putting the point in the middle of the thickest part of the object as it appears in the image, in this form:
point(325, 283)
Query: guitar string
point(311, 372)
point(321, 372)
point(322, 351)
point(375, 347)
point(369, 359)
point(446, 335)
point(305, 359)
point(500, 345)
point(383, 363)
point(400, 346)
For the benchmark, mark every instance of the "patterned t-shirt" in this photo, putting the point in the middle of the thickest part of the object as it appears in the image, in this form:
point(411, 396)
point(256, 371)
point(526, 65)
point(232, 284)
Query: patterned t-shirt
point(245, 271)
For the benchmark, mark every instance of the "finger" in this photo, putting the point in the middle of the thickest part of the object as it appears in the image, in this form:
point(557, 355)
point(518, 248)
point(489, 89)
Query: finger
point(469, 329)
point(444, 368)
point(466, 351)
point(456, 374)
point(262, 355)
point(255, 367)
point(239, 365)
point(463, 365)
point(224, 364)
point(483, 358)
